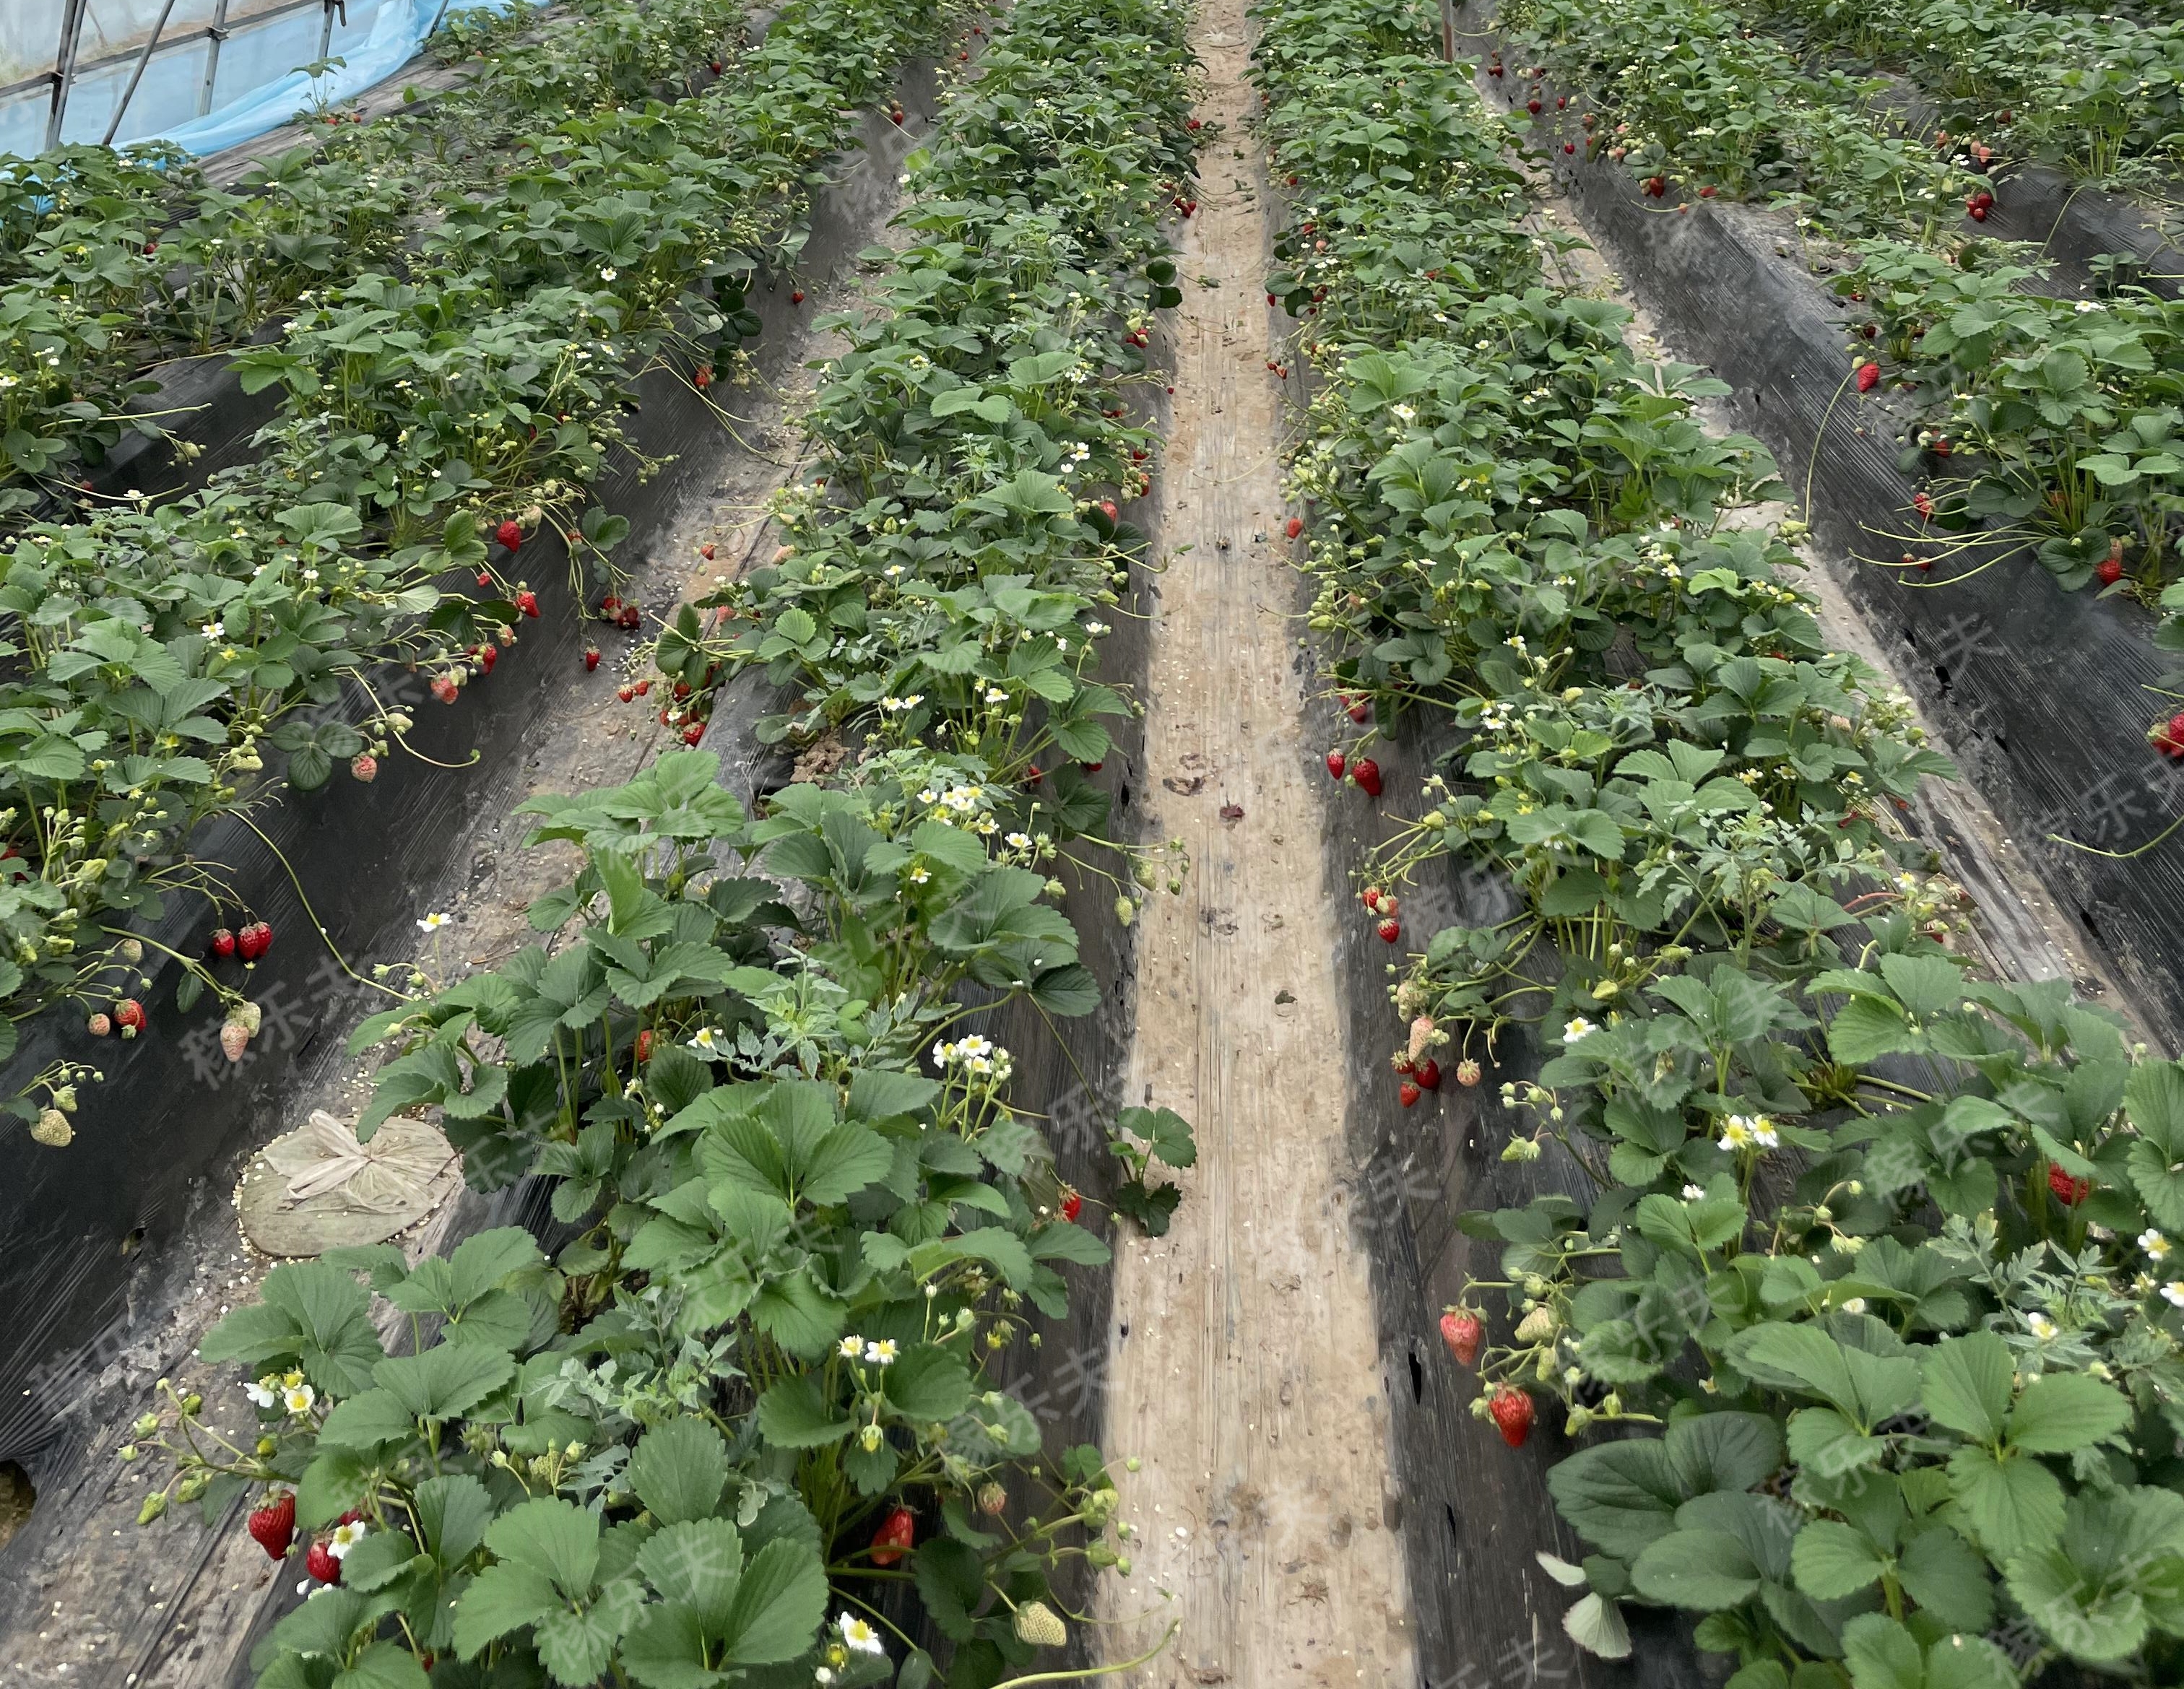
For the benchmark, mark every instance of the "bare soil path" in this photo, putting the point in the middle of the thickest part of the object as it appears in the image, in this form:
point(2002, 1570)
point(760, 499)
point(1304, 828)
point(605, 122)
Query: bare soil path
point(1246, 1365)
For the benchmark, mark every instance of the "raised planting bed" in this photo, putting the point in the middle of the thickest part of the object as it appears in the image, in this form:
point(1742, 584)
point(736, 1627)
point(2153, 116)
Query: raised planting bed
point(1779, 1216)
point(820, 1224)
point(110, 262)
point(1992, 645)
point(2043, 421)
point(79, 1225)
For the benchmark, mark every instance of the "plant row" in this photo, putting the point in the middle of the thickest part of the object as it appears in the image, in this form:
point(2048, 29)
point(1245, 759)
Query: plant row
point(111, 261)
point(434, 418)
point(1876, 1283)
point(2026, 417)
point(746, 1426)
point(2100, 95)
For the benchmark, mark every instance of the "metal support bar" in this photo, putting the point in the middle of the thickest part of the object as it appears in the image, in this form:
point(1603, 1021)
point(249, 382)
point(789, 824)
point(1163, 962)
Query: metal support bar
point(218, 32)
point(136, 75)
point(64, 68)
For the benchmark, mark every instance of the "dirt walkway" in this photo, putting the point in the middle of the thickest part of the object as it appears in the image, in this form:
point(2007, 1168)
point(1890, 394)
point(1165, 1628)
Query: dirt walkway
point(1246, 1367)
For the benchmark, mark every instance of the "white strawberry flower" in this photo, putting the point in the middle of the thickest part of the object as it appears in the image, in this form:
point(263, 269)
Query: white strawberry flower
point(346, 1537)
point(2173, 1293)
point(1742, 1133)
point(850, 1348)
point(262, 1394)
point(1577, 1027)
point(434, 921)
point(2155, 1245)
point(858, 1635)
point(1018, 841)
point(297, 1398)
point(882, 1352)
point(706, 1041)
point(1693, 1192)
point(2045, 1329)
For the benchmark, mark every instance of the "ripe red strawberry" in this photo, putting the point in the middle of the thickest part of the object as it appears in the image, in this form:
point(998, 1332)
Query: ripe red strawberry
point(1461, 1329)
point(364, 766)
point(1657, 186)
point(1359, 708)
point(321, 1563)
point(1868, 377)
point(2109, 571)
point(1072, 1204)
point(485, 582)
point(796, 298)
point(1407, 1093)
point(1709, 192)
point(705, 551)
point(1193, 125)
point(644, 1045)
point(2168, 737)
point(1924, 504)
point(2069, 1191)
point(591, 658)
point(631, 617)
point(1389, 930)
point(896, 116)
point(1093, 767)
point(702, 377)
point(1428, 1072)
point(444, 687)
point(1533, 107)
point(626, 692)
point(527, 602)
point(487, 655)
point(509, 533)
point(643, 687)
point(1372, 897)
point(897, 1534)
point(1569, 146)
point(255, 940)
point(1335, 764)
point(694, 733)
point(1512, 1413)
point(223, 942)
point(610, 607)
point(715, 67)
point(1366, 773)
point(274, 1525)
point(129, 1016)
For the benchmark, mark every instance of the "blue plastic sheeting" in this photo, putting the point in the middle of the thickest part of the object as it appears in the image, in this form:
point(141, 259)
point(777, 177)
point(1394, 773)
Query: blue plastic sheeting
point(392, 42)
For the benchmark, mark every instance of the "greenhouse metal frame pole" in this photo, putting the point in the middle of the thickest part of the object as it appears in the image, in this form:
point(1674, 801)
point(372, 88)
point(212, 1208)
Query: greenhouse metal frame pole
point(136, 75)
point(65, 67)
point(219, 32)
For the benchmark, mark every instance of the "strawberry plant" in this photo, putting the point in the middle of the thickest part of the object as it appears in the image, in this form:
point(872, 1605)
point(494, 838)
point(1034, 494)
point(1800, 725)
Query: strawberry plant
point(1873, 1254)
point(167, 649)
point(753, 1404)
